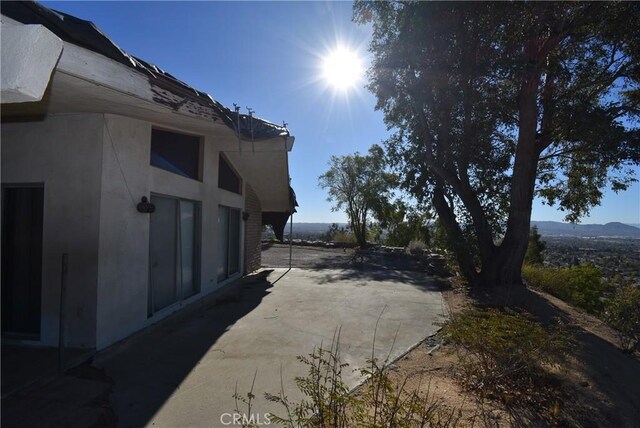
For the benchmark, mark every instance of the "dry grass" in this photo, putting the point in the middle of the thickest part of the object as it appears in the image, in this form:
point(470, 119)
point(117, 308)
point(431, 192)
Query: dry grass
point(596, 387)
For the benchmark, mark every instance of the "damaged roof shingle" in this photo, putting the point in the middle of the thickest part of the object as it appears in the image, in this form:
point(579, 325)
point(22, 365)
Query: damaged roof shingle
point(85, 34)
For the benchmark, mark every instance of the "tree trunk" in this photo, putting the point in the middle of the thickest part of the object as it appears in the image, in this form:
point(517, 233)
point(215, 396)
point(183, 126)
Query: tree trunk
point(454, 234)
point(361, 237)
point(504, 267)
point(360, 233)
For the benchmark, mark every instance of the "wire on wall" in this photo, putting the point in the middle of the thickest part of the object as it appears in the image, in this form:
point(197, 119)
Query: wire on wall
point(115, 152)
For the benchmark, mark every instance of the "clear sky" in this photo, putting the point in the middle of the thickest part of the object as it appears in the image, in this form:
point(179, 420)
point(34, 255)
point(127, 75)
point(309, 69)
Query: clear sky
point(269, 56)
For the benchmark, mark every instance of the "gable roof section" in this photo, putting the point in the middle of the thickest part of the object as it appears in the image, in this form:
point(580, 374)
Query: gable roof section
point(85, 34)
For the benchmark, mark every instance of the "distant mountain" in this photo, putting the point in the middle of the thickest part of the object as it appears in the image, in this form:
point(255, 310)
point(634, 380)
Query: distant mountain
point(588, 230)
point(306, 230)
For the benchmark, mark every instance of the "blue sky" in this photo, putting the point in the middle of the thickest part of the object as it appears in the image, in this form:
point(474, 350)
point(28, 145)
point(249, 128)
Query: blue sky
point(268, 56)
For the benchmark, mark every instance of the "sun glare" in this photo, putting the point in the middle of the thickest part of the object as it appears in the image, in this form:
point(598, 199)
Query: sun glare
point(342, 68)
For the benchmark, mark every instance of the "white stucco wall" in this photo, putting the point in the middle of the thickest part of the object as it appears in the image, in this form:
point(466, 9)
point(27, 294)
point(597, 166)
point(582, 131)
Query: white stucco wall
point(63, 152)
point(95, 168)
point(123, 279)
point(124, 232)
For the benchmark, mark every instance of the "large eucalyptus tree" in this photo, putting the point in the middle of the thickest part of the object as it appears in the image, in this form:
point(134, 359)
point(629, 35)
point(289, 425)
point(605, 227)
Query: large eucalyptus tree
point(494, 103)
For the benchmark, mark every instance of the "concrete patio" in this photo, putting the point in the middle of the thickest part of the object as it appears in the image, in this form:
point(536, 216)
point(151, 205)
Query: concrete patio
point(184, 371)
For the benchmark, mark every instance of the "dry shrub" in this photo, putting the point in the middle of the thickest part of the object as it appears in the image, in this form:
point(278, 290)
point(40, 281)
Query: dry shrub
point(416, 247)
point(329, 403)
point(503, 353)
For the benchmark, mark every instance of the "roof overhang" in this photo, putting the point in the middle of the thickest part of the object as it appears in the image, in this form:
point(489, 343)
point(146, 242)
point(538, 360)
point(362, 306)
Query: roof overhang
point(84, 81)
point(29, 55)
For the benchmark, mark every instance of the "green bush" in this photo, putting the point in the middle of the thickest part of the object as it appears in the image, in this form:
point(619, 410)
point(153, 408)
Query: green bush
point(580, 285)
point(503, 352)
point(340, 234)
point(535, 248)
point(401, 234)
point(623, 314)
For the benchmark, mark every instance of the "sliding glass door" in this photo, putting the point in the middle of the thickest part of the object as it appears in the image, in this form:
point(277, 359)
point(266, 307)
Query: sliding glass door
point(174, 252)
point(188, 262)
point(22, 226)
point(228, 242)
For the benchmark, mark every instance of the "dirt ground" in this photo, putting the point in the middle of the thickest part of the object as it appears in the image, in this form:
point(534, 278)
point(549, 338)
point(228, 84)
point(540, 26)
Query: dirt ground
point(599, 387)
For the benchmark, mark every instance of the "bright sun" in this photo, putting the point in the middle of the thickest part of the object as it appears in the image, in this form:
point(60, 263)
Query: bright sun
point(342, 68)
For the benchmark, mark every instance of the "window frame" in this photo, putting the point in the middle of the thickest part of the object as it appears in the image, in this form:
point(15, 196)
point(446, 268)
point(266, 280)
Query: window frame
point(197, 255)
point(223, 157)
point(200, 163)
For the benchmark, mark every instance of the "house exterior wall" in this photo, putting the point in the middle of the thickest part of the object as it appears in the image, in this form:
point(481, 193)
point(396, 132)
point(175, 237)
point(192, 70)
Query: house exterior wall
point(64, 154)
point(123, 280)
point(124, 232)
point(94, 169)
point(253, 231)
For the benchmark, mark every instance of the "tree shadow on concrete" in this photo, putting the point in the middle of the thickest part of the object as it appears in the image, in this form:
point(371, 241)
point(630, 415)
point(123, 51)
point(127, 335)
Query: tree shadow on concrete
point(335, 265)
point(611, 372)
point(365, 277)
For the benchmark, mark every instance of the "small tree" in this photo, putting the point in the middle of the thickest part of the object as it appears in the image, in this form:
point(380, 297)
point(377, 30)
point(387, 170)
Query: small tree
point(337, 233)
point(403, 224)
point(623, 314)
point(535, 248)
point(359, 184)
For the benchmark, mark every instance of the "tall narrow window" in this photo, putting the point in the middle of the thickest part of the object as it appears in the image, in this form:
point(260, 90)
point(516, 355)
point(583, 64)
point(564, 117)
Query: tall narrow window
point(228, 179)
point(173, 252)
point(177, 153)
point(228, 242)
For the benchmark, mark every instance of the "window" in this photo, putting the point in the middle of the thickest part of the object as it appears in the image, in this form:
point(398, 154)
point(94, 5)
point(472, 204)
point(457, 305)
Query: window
point(174, 251)
point(177, 153)
point(228, 179)
point(228, 242)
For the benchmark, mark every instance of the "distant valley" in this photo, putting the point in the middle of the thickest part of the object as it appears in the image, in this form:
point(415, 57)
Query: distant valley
point(546, 228)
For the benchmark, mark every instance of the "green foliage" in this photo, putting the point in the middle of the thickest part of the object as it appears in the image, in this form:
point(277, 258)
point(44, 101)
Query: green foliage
point(336, 233)
point(503, 352)
point(580, 285)
point(443, 242)
point(374, 233)
point(402, 223)
point(623, 314)
point(359, 185)
point(535, 249)
point(414, 228)
point(493, 103)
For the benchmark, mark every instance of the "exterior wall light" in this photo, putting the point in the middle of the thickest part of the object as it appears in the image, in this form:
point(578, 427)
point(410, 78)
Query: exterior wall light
point(145, 206)
point(245, 215)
